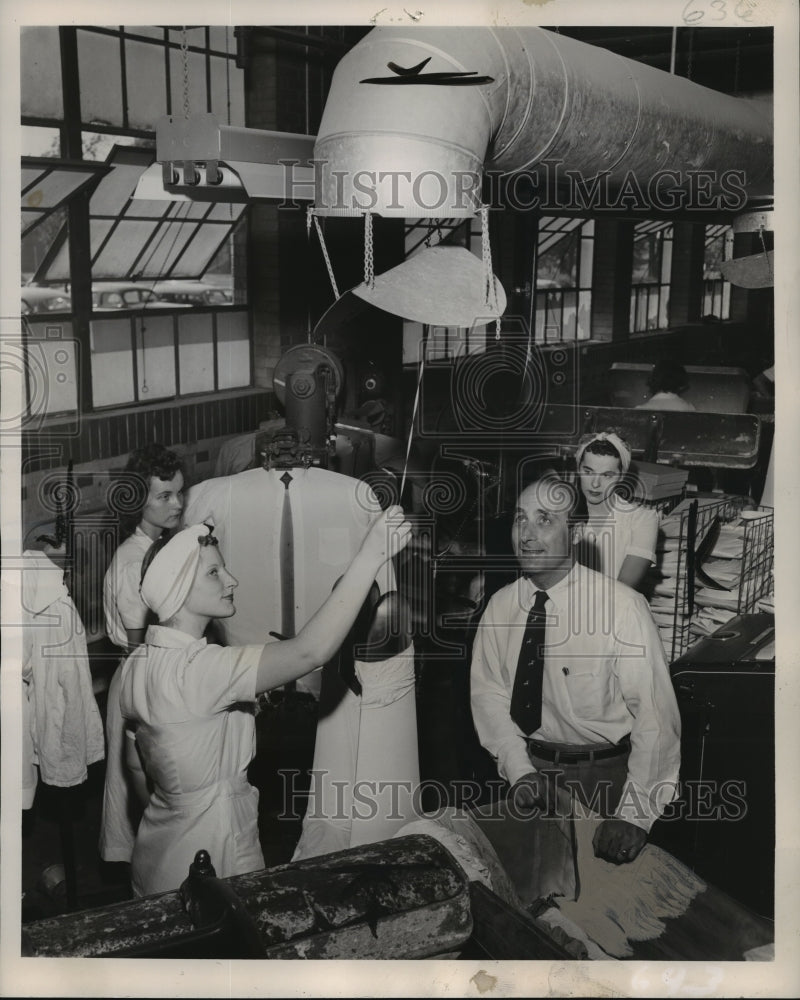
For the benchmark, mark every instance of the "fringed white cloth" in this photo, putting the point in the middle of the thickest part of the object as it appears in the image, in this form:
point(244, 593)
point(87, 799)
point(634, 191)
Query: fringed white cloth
point(618, 904)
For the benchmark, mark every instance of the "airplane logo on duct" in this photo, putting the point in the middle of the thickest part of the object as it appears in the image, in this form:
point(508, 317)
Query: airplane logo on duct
point(439, 286)
point(413, 75)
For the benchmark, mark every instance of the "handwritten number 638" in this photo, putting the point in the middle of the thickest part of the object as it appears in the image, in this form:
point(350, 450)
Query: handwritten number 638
point(695, 10)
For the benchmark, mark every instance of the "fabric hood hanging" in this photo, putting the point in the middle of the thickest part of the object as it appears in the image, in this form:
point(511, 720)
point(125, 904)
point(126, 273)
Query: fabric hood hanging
point(439, 286)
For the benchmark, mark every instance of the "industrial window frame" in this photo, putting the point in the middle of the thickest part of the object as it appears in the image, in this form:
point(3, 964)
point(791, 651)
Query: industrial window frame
point(72, 131)
point(652, 297)
point(716, 290)
point(551, 231)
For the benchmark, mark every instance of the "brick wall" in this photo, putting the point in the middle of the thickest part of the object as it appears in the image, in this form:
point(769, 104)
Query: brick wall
point(99, 444)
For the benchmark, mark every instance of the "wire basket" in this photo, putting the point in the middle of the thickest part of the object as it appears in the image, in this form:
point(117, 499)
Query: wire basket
point(749, 540)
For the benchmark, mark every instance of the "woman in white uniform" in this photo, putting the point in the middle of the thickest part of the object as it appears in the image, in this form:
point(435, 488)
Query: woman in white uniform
point(156, 475)
point(618, 537)
point(192, 702)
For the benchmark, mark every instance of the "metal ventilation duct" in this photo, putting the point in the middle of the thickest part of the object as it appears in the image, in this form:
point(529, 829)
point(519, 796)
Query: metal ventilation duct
point(412, 127)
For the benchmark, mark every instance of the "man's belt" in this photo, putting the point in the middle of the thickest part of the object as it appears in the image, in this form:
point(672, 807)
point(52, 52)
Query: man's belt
point(570, 754)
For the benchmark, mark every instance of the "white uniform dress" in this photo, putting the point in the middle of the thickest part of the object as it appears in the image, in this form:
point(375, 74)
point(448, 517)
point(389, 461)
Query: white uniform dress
point(369, 740)
point(628, 530)
point(123, 608)
point(193, 707)
point(122, 603)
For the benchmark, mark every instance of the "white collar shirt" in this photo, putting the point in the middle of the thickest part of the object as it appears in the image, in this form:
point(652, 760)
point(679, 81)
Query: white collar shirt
point(605, 678)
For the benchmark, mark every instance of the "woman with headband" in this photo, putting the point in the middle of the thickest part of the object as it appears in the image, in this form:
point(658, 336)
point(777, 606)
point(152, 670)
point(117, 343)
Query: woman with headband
point(619, 536)
point(192, 702)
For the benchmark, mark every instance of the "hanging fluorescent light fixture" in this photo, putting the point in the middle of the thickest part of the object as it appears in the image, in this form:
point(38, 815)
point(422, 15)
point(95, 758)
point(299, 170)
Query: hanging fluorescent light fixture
point(201, 160)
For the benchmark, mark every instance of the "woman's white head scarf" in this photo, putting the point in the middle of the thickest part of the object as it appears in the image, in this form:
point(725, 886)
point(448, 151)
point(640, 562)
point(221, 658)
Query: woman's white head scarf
point(623, 450)
point(169, 577)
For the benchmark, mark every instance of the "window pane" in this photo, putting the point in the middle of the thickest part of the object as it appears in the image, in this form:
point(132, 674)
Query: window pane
point(222, 39)
point(37, 141)
point(40, 71)
point(653, 310)
point(557, 266)
point(666, 260)
point(97, 145)
point(201, 251)
point(663, 313)
point(552, 319)
point(122, 249)
point(641, 309)
point(570, 318)
point(646, 259)
point(155, 355)
point(51, 187)
point(100, 76)
point(540, 313)
point(37, 242)
point(115, 188)
point(587, 258)
point(53, 386)
point(160, 255)
point(227, 86)
point(58, 270)
point(196, 353)
point(233, 350)
point(147, 84)
point(112, 362)
point(585, 315)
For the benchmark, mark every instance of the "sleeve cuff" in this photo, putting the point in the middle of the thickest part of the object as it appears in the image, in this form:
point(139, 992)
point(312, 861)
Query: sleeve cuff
point(386, 681)
point(642, 810)
point(516, 764)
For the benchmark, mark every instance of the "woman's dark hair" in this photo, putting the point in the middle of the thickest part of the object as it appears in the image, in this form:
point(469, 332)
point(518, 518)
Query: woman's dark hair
point(668, 376)
point(602, 448)
point(131, 490)
point(154, 460)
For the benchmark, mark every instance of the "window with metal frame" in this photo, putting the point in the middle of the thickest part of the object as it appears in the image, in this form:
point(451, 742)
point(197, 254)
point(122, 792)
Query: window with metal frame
point(716, 290)
point(141, 344)
point(650, 276)
point(562, 272)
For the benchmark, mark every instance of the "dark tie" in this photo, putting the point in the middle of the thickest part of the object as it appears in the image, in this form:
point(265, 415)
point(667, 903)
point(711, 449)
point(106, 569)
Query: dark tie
point(526, 698)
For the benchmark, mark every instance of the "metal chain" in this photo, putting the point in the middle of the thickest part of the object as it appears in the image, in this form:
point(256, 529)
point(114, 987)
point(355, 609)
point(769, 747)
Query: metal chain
point(324, 248)
point(185, 59)
point(434, 228)
point(490, 287)
point(369, 258)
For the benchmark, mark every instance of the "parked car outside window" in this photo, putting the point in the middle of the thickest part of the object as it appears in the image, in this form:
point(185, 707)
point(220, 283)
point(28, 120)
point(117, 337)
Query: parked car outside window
point(41, 299)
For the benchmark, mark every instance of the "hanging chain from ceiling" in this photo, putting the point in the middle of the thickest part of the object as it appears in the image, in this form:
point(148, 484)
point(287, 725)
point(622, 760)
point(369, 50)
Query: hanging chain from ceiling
point(490, 287)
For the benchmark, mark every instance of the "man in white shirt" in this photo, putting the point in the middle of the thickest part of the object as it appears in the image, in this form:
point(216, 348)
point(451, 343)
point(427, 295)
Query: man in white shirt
point(601, 714)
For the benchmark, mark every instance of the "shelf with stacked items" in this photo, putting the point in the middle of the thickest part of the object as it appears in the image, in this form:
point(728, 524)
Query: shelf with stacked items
point(714, 561)
point(659, 486)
